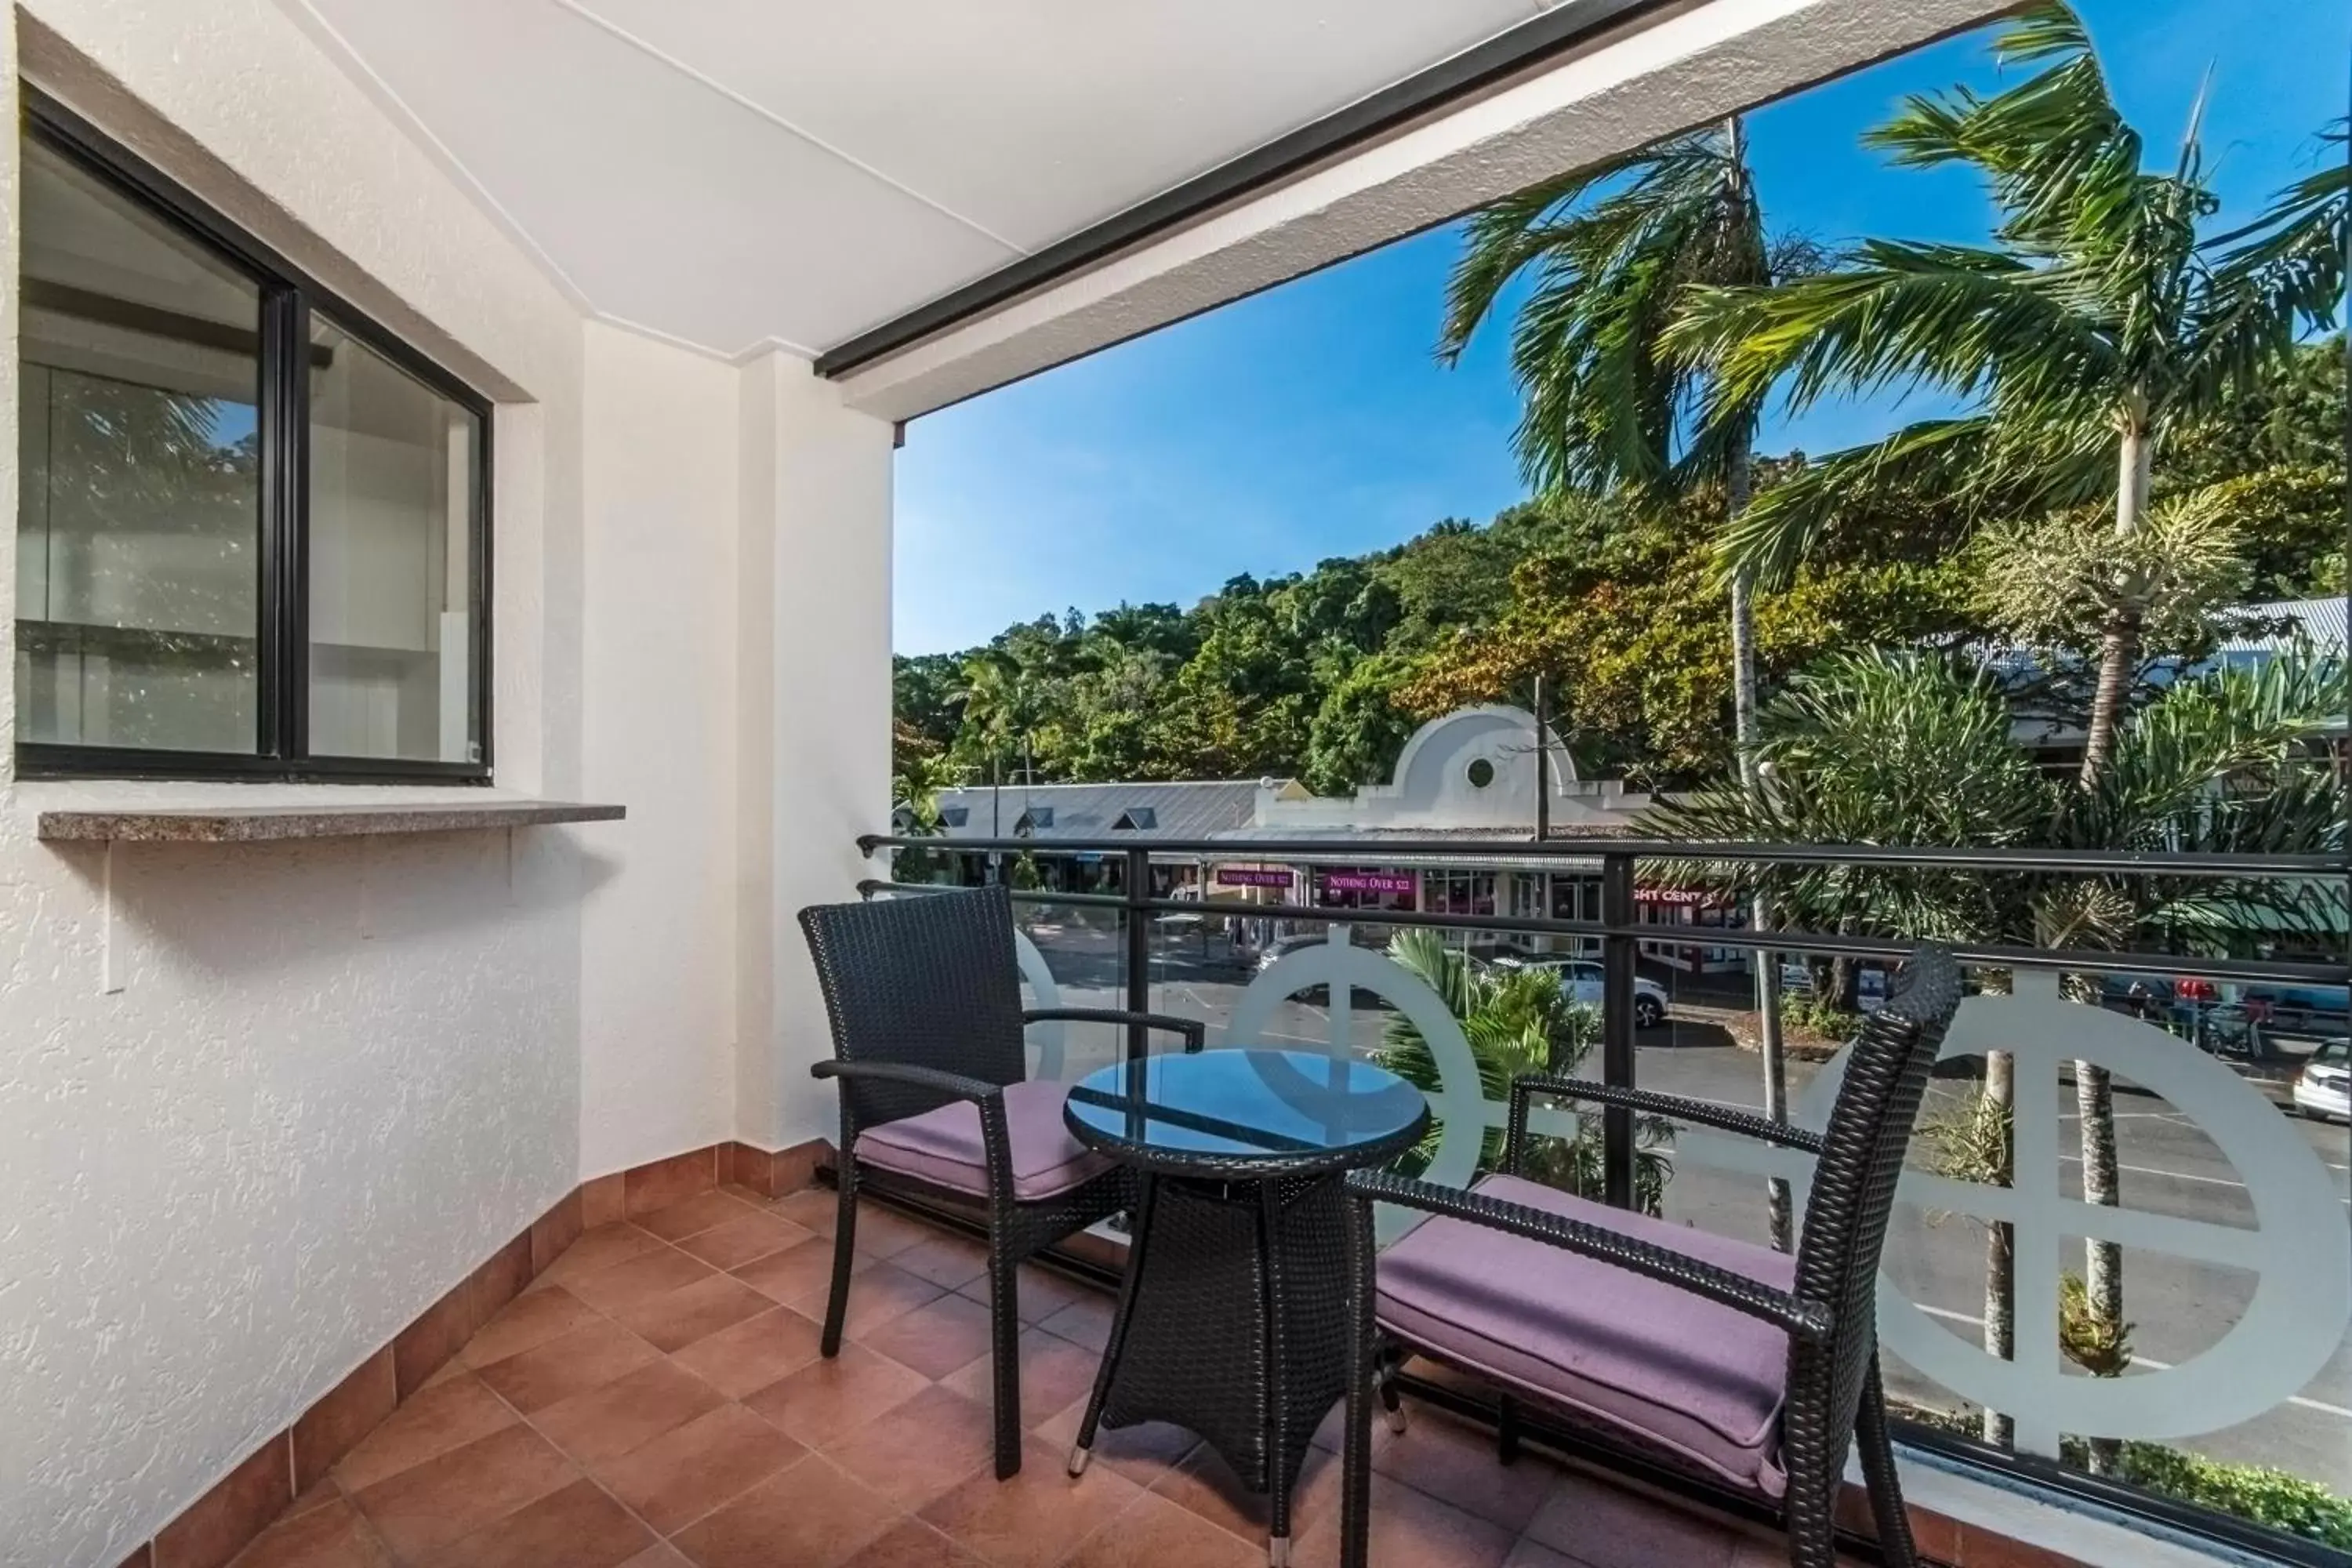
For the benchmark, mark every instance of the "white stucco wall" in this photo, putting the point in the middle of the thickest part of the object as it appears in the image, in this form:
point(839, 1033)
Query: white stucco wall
point(260, 1105)
point(658, 937)
point(819, 503)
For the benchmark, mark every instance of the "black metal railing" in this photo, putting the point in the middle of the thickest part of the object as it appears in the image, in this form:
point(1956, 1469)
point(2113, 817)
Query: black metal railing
point(1620, 934)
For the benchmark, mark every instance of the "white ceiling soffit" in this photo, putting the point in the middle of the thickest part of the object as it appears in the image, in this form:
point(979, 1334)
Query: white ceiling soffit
point(1663, 71)
point(735, 172)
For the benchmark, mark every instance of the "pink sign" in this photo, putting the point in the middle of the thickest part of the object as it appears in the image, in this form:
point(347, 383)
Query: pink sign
point(1252, 877)
point(1368, 881)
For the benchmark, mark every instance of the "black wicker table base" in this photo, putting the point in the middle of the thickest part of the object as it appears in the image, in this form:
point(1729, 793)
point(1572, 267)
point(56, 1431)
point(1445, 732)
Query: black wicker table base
point(1232, 1323)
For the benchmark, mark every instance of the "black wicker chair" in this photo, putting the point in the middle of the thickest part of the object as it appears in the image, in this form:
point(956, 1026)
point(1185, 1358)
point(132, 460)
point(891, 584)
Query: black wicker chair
point(1749, 1369)
point(924, 996)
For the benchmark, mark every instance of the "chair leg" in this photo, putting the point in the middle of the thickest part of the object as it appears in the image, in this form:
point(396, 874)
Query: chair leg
point(1004, 1353)
point(1886, 1506)
point(1363, 1364)
point(844, 1246)
point(1385, 1368)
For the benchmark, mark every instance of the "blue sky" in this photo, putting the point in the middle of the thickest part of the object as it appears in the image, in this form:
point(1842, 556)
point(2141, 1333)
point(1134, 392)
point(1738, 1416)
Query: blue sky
point(1311, 421)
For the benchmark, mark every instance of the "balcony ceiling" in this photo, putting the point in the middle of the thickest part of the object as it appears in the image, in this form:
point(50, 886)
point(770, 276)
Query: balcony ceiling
point(735, 172)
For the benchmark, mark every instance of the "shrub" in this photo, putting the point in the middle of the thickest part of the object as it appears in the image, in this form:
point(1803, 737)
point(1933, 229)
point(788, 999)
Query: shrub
point(2274, 1497)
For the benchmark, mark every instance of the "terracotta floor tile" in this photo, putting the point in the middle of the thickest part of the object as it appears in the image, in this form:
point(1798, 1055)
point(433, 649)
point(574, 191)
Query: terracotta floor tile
point(1526, 1554)
point(588, 1357)
point(801, 1274)
point(1053, 1372)
point(919, 1451)
point(827, 1400)
point(811, 1516)
point(606, 1423)
point(659, 1555)
point(1153, 1532)
point(347, 1413)
point(595, 1251)
point(1143, 1453)
point(531, 1319)
point(447, 1498)
point(330, 1535)
point(704, 1211)
point(1208, 1486)
point(1456, 1463)
point(1034, 1519)
point(744, 1240)
point(936, 1338)
point(640, 1279)
point(914, 1545)
point(683, 1474)
point(1086, 1321)
point(1409, 1527)
point(816, 1209)
point(1604, 1526)
point(947, 1260)
point(448, 1414)
point(1041, 1293)
point(753, 1353)
point(882, 1232)
point(676, 1320)
point(578, 1527)
point(876, 1296)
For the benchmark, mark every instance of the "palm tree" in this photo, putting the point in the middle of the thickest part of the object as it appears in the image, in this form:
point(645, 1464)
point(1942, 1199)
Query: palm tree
point(1517, 1021)
point(1906, 749)
point(1611, 250)
point(2101, 322)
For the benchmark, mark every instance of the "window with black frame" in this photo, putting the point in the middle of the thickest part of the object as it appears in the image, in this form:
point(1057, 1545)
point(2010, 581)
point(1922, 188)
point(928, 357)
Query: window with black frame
point(252, 535)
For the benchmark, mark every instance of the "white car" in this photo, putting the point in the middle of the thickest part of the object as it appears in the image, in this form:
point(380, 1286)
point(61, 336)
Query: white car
point(2323, 1088)
point(1581, 979)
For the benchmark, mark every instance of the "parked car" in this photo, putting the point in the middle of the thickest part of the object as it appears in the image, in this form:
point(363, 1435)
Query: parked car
point(2323, 1089)
point(1581, 978)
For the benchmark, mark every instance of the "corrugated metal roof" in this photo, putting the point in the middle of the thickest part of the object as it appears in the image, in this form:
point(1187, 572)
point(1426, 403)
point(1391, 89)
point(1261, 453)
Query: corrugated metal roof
point(2322, 622)
point(1193, 808)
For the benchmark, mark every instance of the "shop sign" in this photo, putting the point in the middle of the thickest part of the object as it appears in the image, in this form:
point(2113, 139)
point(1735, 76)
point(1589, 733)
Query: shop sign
point(1367, 882)
point(1252, 877)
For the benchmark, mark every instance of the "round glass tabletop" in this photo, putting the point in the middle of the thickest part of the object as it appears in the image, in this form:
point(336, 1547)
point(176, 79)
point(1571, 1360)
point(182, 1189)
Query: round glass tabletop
point(1246, 1113)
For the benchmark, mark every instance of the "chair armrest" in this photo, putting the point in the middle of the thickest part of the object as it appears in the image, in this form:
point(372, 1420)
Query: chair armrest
point(1195, 1033)
point(912, 1077)
point(995, 1140)
point(1809, 1321)
point(1704, 1113)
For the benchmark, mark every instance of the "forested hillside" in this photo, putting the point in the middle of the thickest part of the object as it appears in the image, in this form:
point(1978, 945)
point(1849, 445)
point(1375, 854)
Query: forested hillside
point(1322, 675)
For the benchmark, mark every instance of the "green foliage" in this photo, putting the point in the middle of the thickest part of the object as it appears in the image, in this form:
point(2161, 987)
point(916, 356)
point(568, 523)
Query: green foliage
point(1903, 749)
point(2278, 1498)
point(2103, 307)
point(1517, 1021)
point(1818, 1018)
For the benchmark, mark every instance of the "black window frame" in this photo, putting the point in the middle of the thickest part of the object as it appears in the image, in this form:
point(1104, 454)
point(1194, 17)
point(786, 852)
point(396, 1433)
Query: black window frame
point(289, 296)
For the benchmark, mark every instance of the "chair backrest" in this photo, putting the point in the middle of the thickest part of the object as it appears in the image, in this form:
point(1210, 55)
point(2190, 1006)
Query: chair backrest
point(924, 980)
point(1862, 1156)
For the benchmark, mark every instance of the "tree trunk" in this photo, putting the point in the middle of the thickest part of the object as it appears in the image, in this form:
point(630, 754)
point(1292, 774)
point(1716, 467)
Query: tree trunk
point(1739, 485)
point(2102, 1261)
point(2000, 1245)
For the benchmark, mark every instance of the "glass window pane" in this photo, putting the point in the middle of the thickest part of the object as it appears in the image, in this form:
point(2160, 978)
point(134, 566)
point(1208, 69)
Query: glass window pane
point(139, 510)
point(393, 493)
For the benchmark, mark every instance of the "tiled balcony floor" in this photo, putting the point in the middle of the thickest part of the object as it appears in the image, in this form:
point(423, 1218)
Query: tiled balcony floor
point(655, 1398)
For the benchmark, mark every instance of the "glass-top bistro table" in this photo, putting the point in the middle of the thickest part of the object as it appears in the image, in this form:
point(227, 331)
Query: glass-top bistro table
point(1232, 1320)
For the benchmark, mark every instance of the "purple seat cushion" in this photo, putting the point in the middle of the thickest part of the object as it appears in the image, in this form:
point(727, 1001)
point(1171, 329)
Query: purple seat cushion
point(943, 1146)
point(1667, 1369)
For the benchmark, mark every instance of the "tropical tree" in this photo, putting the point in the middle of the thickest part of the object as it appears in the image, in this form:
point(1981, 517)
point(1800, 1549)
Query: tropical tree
point(2100, 322)
point(2103, 321)
point(1516, 1021)
point(1911, 750)
point(1612, 251)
